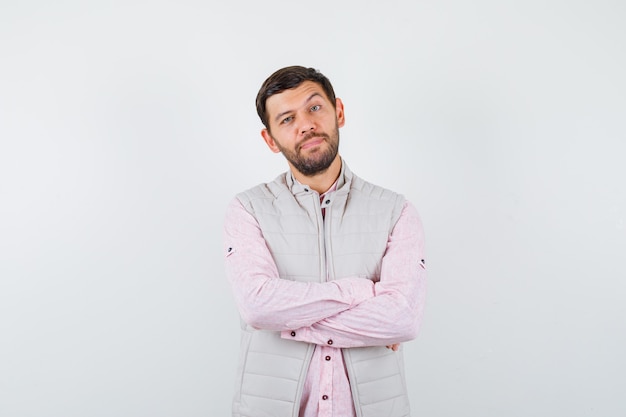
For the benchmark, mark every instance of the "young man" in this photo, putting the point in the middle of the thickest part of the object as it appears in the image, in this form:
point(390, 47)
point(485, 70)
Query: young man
point(327, 270)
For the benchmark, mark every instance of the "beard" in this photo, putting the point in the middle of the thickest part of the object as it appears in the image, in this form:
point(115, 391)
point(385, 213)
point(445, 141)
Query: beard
point(318, 160)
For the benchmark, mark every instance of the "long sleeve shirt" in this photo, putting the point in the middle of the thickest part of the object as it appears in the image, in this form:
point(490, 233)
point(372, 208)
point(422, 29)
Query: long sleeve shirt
point(343, 313)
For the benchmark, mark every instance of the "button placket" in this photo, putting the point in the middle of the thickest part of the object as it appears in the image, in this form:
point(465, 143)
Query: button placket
point(326, 381)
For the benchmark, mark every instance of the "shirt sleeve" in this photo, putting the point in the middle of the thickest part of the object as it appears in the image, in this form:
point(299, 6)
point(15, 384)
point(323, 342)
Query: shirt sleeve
point(394, 314)
point(264, 300)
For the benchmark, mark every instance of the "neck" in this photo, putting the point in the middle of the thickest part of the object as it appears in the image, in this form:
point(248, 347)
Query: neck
point(322, 181)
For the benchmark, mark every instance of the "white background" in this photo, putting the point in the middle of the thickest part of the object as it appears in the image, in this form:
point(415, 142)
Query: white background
point(126, 127)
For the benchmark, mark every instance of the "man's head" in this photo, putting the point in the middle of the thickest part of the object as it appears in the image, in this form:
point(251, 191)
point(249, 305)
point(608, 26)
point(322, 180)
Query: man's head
point(302, 118)
point(286, 79)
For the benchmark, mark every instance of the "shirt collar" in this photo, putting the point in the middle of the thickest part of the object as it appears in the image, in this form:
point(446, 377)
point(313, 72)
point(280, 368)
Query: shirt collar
point(297, 187)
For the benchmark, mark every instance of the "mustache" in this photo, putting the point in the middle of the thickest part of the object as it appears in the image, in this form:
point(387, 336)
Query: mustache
point(311, 135)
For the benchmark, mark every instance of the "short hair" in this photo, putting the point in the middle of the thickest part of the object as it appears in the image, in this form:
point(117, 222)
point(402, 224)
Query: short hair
point(286, 79)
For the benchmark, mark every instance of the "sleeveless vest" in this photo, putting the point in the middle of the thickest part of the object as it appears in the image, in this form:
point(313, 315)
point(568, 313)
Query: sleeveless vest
point(350, 241)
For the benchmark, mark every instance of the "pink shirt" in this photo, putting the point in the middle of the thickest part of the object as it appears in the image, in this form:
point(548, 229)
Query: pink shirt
point(344, 313)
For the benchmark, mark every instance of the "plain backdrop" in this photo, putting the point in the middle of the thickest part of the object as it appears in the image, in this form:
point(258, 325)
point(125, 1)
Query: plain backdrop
point(126, 127)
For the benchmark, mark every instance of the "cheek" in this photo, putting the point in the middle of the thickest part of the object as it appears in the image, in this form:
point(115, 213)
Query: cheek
point(287, 136)
point(282, 141)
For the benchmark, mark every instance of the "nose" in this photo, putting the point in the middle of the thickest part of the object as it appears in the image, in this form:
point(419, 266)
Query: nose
point(307, 124)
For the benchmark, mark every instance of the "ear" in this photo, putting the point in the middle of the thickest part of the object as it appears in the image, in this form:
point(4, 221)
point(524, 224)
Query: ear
point(269, 140)
point(341, 118)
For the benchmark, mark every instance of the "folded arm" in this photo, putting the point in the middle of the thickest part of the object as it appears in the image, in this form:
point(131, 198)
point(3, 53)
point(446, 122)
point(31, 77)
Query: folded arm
point(264, 300)
point(394, 314)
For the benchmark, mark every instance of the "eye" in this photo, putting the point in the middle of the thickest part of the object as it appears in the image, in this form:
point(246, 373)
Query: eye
point(316, 107)
point(286, 120)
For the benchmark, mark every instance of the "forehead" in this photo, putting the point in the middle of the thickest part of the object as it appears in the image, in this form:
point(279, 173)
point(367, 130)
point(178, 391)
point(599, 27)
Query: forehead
point(293, 98)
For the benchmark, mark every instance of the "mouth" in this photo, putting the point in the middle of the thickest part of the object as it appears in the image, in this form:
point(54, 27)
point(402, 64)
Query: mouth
point(312, 142)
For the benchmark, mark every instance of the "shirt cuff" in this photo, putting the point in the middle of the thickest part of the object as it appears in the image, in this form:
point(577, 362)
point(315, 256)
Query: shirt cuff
point(306, 335)
point(298, 334)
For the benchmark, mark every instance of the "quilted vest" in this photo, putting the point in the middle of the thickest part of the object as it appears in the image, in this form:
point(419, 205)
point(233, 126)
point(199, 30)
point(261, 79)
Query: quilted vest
point(349, 241)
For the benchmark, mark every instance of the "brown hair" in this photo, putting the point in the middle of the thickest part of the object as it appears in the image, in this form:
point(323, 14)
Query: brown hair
point(286, 79)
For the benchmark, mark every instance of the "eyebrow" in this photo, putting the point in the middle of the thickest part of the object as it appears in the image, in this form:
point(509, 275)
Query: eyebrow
point(279, 115)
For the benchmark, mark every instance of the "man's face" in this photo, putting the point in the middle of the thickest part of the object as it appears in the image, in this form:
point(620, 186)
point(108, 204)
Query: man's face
point(304, 126)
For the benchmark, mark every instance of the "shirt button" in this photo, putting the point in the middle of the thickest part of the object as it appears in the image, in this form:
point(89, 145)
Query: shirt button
point(324, 397)
point(327, 201)
point(293, 334)
point(330, 341)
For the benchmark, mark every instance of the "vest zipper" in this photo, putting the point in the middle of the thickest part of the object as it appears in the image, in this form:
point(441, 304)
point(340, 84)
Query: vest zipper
point(321, 236)
point(328, 257)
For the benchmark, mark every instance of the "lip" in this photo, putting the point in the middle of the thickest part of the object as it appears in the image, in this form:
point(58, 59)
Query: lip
point(315, 141)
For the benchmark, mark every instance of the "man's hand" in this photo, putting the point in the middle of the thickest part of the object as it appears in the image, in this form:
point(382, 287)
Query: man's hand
point(394, 347)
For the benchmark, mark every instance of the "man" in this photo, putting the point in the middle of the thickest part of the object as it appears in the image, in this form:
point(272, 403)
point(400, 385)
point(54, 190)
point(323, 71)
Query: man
point(327, 270)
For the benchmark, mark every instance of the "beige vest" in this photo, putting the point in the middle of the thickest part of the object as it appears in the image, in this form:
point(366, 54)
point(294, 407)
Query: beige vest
point(350, 241)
